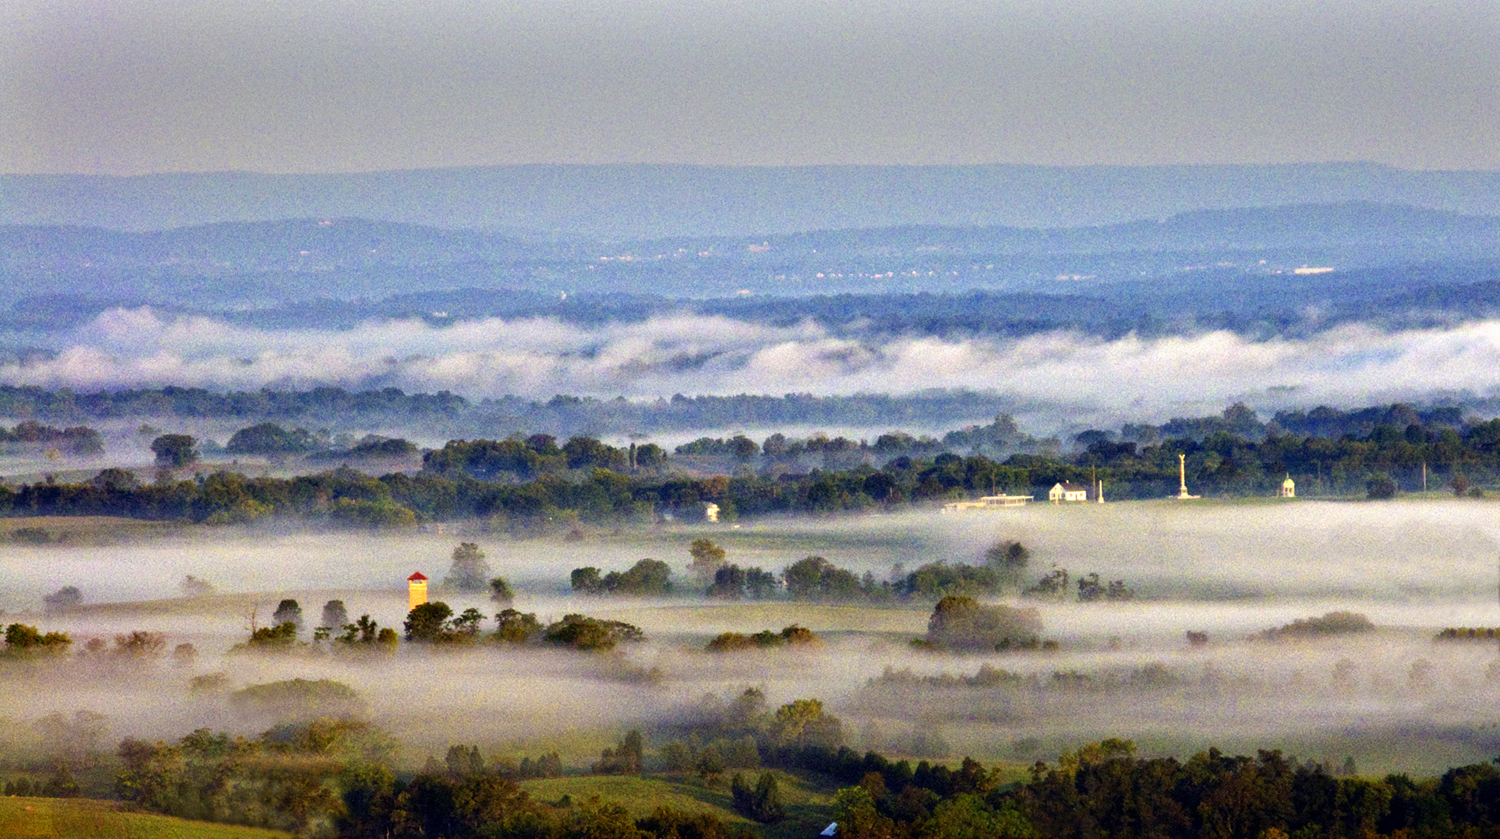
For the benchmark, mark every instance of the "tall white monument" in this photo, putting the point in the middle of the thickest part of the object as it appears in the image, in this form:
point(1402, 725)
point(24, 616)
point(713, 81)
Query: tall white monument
point(1182, 477)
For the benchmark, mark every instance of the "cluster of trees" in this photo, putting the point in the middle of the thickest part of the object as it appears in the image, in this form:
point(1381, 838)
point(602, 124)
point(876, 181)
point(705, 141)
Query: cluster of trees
point(78, 440)
point(790, 636)
point(1000, 436)
point(647, 578)
point(964, 624)
point(745, 733)
point(493, 807)
point(1331, 623)
point(731, 582)
point(524, 459)
point(268, 438)
point(1104, 790)
point(985, 677)
point(1468, 633)
point(432, 623)
point(815, 579)
point(467, 761)
point(272, 440)
point(336, 632)
point(1091, 589)
point(761, 803)
point(625, 759)
point(60, 784)
point(23, 641)
point(289, 778)
point(435, 623)
point(371, 446)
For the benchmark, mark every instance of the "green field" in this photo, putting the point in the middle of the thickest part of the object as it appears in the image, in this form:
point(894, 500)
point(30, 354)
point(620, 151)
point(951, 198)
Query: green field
point(76, 818)
point(808, 799)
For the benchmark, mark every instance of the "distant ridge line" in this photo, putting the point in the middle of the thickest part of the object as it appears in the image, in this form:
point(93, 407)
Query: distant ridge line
point(635, 201)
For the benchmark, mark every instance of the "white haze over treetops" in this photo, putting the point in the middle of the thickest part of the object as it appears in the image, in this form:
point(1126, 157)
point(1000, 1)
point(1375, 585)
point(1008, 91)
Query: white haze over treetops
point(1061, 375)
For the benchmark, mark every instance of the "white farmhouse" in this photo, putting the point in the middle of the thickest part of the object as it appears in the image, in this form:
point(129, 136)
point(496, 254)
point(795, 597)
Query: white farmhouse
point(1067, 492)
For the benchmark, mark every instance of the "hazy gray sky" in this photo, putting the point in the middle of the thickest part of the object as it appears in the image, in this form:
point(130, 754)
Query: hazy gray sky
point(133, 86)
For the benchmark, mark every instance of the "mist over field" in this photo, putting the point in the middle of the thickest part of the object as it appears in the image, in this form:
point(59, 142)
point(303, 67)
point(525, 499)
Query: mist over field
point(1228, 570)
point(1053, 377)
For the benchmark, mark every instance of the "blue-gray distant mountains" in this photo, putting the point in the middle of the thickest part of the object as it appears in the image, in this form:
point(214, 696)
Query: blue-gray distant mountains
point(1207, 267)
point(623, 202)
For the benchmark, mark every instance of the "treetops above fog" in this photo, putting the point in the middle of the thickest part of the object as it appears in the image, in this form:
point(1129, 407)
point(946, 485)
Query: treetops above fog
point(534, 486)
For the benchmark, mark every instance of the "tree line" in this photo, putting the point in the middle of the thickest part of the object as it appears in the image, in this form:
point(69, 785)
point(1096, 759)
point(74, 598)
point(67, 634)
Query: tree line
point(534, 485)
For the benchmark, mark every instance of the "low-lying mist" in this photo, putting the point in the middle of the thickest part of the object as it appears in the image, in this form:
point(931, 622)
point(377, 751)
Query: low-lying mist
point(1391, 697)
point(1055, 378)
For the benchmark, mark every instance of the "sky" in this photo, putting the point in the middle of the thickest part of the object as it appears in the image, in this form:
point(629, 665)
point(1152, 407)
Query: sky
point(144, 86)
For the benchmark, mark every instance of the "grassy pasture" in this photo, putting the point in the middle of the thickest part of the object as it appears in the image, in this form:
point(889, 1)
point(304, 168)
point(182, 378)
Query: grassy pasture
point(77, 818)
point(808, 801)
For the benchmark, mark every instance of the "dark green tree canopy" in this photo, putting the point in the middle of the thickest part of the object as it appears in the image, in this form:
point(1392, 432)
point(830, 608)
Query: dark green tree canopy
point(963, 623)
point(427, 621)
point(175, 450)
point(270, 438)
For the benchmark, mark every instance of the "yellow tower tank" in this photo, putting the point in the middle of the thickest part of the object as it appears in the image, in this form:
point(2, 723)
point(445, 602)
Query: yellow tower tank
point(416, 590)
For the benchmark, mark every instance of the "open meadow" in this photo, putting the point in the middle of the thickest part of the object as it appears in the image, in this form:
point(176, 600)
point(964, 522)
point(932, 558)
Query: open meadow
point(56, 818)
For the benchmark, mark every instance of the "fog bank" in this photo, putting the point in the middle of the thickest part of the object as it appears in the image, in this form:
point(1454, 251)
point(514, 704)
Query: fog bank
point(1054, 375)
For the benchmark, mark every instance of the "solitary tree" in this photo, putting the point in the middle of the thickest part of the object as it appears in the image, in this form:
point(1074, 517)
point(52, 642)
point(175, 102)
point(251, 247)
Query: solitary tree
point(500, 591)
point(174, 450)
point(1008, 559)
point(64, 598)
point(288, 611)
point(707, 558)
point(334, 614)
point(469, 571)
point(767, 807)
point(195, 586)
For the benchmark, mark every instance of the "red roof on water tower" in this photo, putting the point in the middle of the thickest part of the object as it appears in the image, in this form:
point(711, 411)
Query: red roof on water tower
point(417, 577)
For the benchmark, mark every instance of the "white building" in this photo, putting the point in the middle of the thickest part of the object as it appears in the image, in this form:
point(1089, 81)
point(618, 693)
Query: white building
point(988, 502)
point(1067, 492)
